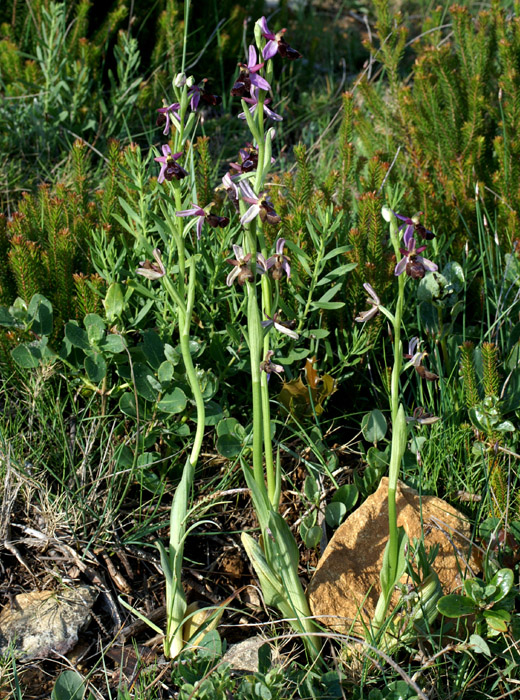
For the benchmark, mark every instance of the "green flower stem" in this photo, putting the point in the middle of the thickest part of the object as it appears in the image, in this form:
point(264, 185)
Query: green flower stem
point(398, 446)
point(172, 560)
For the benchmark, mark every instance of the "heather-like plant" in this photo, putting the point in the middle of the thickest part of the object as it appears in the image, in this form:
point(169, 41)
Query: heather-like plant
point(453, 124)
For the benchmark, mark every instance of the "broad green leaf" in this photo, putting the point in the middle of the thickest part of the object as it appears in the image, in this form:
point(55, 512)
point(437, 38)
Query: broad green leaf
point(173, 402)
point(95, 327)
point(165, 372)
point(39, 312)
point(429, 287)
point(346, 494)
point(214, 413)
point(153, 348)
point(76, 336)
point(374, 426)
point(146, 384)
point(497, 619)
point(6, 319)
point(27, 355)
point(504, 581)
point(113, 343)
point(69, 686)
point(229, 446)
point(114, 302)
point(335, 513)
point(96, 367)
point(479, 645)
point(456, 605)
point(311, 536)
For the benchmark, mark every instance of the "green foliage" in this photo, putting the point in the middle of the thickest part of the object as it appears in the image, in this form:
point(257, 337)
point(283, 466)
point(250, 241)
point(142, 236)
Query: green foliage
point(491, 602)
point(454, 121)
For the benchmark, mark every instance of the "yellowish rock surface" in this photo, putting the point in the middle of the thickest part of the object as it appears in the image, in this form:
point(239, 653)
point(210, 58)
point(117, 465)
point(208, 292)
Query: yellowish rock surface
point(346, 579)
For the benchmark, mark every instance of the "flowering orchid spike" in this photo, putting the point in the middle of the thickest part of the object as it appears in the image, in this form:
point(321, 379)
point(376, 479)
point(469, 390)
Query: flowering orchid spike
point(374, 309)
point(260, 205)
point(276, 43)
point(249, 76)
point(280, 262)
point(270, 367)
point(194, 211)
point(169, 168)
point(254, 102)
point(414, 226)
point(411, 262)
point(279, 326)
point(152, 270)
point(241, 271)
point(166, 114)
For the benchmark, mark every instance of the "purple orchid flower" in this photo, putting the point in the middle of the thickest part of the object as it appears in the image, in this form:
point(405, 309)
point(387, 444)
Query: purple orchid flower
point(212, 219)
point(242, 268)
point(152, 270)
point(249, 76)
point(194, 211)
point(269, 367)
point(169, 168)
point(253, 101)
point(166, 114)
point(412, 262)
point(197, 93)
point(374, 309)
point(416, 358)
point(279, 325)
point(260, 205)
point(280, 262)
point(414, 224)
point(276, 43)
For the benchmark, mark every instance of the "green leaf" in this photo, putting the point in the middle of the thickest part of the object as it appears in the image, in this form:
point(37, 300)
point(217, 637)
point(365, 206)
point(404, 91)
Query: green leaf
point(114, 302)
point(76, 336)
point(311, 536)
point(374, 426)
point(311, 489)
point(228, 426)
point(335, 513)
point(173, 402)
point(27, 355)
point(454, 275)
point(96, 367)
point(146, 384)
point(6, 319)
point(95, 328)
point(39, 312)
point(504, 581)
point(127, 404)
point(214, 413)
point(229, 446)
point(113, 343)
point(497, 619)
point(456, 605)
point(346, 494)
point(388, 578)
point(479, 645)
point(428, 288)
point(165, 372)
point(153, 348)
point(69, 686)
point(328, 305)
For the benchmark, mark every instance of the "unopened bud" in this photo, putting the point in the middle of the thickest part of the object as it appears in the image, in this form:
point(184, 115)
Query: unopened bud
point(386, 213)
point(179, 80)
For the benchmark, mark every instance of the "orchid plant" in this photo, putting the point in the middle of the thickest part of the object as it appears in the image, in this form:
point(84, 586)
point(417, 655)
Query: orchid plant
point(414, 266)
point(260, 275)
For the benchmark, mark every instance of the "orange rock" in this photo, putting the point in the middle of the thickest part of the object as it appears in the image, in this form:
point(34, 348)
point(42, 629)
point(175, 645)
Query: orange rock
point(346, 579)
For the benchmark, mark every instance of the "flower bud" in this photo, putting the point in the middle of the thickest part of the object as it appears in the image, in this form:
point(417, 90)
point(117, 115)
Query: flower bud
point(387, 214)
point(179, 80)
